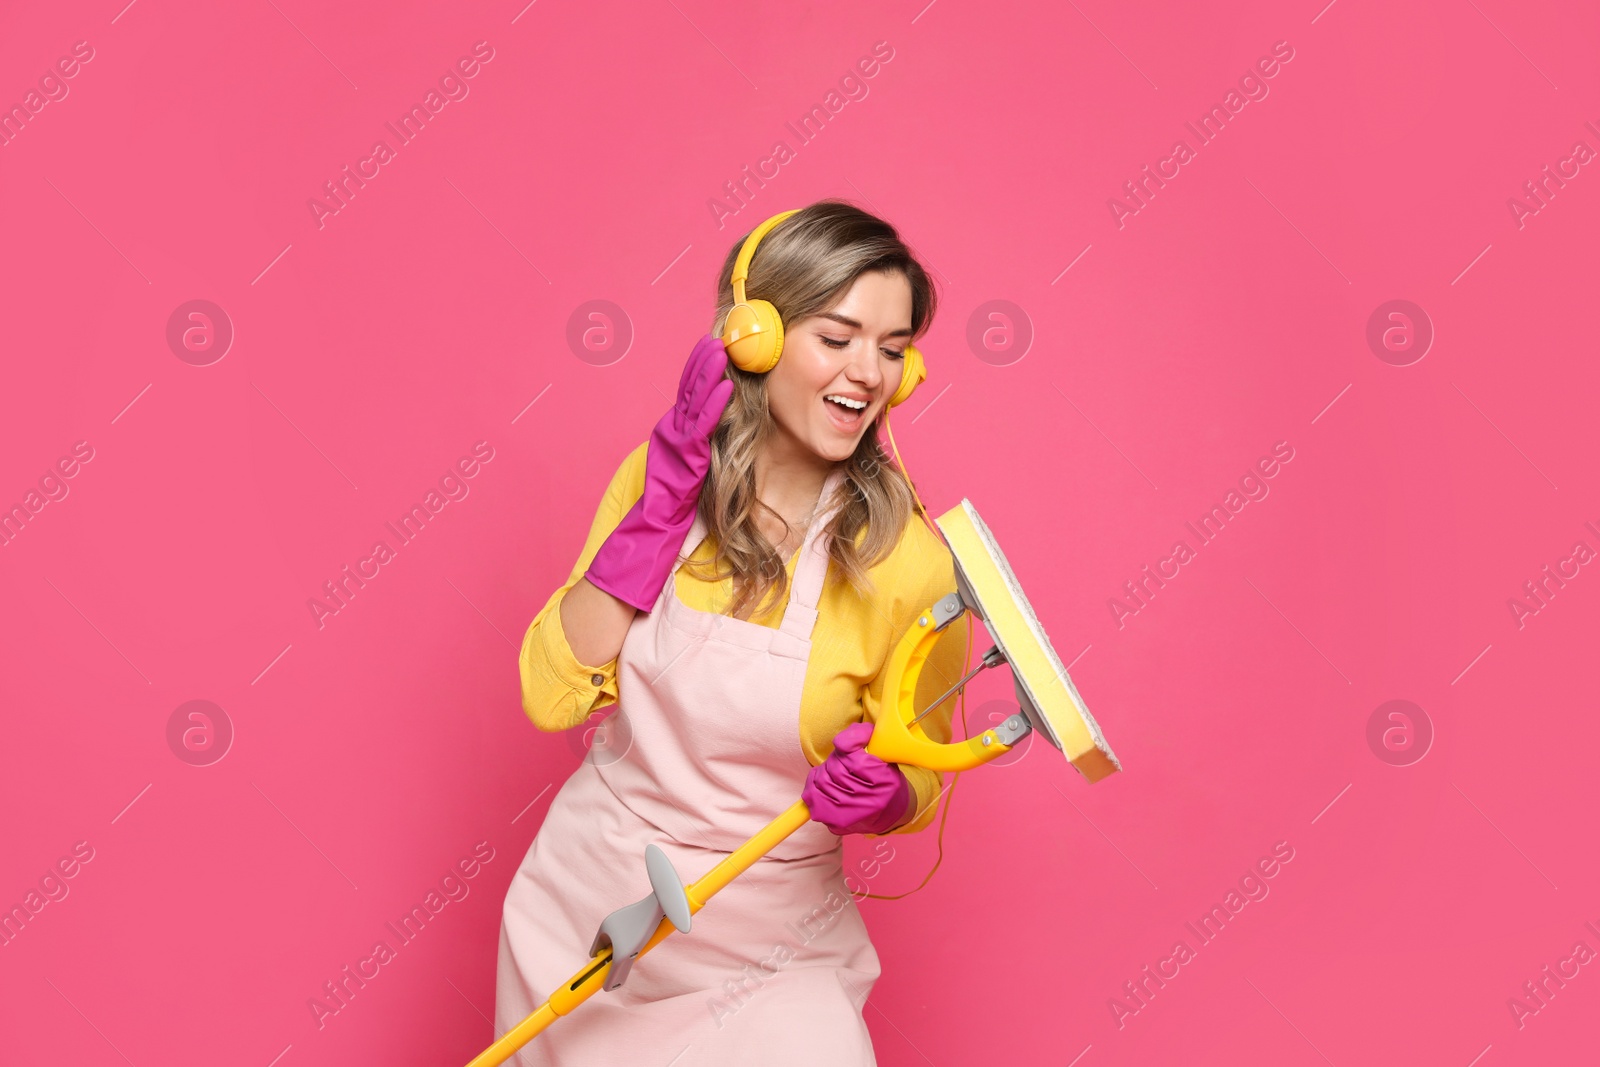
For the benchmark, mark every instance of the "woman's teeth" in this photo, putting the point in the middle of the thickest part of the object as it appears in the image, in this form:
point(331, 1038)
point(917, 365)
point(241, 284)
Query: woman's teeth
point(846, 418)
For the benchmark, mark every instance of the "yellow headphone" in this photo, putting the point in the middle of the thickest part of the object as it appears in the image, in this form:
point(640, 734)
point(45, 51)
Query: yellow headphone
point(753, 331)
point(752, 334)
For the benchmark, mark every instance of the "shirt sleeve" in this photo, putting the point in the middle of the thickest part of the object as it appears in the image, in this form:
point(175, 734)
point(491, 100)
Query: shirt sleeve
point(558, 692)
point(930, 572)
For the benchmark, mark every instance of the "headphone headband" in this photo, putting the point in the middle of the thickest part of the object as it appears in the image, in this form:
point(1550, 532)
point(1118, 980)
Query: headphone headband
point(741, 266)
point(752, 332)
point(753, 335)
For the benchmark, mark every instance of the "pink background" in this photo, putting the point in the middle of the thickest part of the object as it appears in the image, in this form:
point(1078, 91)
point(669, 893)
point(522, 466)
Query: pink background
point(372, 753)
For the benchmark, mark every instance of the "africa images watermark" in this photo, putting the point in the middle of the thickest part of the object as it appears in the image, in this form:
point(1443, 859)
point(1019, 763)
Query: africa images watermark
point(340, 591)
point(1537, 993)
point(453, 886)
point(1253, 887)
point(453, 85)
point(53, 888)
point(1538, 192)
point(53, 89)
point(1539, 591)
point(1138, 192)
point(53, 487)
point(810, 126)
point(806, 929)
point(1138, 592)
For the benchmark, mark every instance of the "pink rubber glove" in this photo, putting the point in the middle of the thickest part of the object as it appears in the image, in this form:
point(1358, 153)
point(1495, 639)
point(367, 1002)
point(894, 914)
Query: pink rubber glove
point(634, 562)
point(855, 792)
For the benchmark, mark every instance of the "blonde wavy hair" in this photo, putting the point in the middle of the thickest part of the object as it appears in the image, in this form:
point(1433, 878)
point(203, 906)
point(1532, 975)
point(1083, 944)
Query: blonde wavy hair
point(805, 265)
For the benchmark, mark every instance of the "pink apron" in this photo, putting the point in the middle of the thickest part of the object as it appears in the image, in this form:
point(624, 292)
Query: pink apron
point(776, 967)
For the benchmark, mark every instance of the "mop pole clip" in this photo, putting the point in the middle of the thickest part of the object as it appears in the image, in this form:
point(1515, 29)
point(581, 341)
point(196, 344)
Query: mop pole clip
point(626, 931)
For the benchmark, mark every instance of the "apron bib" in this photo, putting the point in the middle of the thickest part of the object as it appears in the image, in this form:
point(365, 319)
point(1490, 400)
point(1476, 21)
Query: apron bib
point(778, 965)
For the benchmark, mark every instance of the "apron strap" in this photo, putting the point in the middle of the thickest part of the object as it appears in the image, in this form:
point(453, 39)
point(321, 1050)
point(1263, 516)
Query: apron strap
point(697, 533)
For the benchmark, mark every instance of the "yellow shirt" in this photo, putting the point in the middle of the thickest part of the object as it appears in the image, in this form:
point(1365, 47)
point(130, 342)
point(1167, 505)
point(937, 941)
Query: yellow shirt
point(851, 643)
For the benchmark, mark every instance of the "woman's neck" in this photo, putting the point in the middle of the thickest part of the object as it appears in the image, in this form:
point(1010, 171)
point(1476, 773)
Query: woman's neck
point(789, 480)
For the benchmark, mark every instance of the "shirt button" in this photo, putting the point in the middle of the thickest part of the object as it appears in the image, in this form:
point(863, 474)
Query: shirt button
point(598, 679)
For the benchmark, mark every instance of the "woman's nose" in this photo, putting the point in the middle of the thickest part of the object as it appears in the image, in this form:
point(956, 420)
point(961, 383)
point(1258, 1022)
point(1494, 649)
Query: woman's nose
point(866, 367)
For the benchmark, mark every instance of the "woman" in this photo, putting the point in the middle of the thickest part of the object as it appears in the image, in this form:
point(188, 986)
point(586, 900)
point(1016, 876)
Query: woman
point(750, 569)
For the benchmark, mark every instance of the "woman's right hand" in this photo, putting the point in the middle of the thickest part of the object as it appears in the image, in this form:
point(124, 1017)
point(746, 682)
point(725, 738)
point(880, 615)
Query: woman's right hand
point(634, 562)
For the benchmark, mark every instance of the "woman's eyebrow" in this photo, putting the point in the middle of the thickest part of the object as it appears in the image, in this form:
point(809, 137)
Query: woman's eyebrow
point(845, 320)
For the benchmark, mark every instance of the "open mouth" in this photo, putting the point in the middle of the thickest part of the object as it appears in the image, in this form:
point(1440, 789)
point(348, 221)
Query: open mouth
point(846, 415)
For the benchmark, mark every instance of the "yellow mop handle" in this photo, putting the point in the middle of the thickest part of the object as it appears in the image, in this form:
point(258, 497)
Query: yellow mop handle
point(892, 741)
point(586, 982)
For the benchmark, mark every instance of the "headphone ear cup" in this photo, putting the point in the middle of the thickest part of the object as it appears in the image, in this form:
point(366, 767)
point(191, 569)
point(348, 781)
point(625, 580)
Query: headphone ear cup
point(913, 373)
point(753, 336)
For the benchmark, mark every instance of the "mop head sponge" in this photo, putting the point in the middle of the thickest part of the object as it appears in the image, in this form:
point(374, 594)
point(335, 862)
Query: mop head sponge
point(1048, 698)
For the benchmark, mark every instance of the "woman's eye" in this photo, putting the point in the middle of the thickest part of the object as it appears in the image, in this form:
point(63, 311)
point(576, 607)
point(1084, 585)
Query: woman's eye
point(831, 343)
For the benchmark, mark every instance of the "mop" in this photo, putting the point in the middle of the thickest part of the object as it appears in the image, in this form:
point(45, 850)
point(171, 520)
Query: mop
point(1047, 702)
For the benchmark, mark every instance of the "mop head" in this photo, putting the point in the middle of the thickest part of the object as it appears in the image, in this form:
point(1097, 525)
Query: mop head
point(1044, 690)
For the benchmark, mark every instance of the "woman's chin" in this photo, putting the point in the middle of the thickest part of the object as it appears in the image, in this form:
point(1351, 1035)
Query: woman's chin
point(832, 445)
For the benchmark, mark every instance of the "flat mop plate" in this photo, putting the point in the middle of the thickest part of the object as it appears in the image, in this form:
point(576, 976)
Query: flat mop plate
point(1045, 691)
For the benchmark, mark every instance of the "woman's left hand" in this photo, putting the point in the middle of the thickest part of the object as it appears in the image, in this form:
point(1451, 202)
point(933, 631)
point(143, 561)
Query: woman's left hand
point(855, 792)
